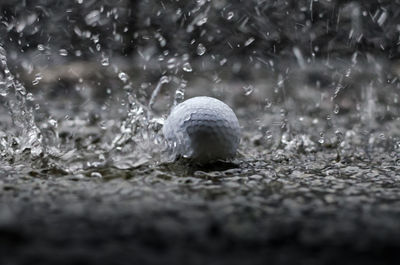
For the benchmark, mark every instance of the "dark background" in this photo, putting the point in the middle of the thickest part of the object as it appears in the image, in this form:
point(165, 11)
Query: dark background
point(277, 26)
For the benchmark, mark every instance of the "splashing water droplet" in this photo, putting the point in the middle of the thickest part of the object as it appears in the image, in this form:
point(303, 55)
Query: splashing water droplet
point(223, 61)
point(187, 67)
point(268, 103)
point(249, 41)
point(321, 138)
point(179, 96)
point(200, 49)
point(30, 97)
point(248, 90)
point(105, 61)
point(172, 63)
point(268, 135)
point(202, 21)
point(63, 52)
point(92, 18)
point(53, 122)
point(336, 109)
point(339, 135)
point(28, 134)
point(123, 77)
point(163, 80)
point(37, 79)
point(40, 47)
point(96, 175)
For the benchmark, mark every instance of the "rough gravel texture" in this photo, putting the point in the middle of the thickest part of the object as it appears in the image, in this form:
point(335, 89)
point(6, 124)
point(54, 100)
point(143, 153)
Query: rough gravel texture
point(298, 202)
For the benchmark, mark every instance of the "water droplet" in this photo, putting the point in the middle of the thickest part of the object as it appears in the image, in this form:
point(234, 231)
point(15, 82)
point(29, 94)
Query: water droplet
point(339, 135)
point(268, 103)
point(230, 15)
point(248, 90)
point(179, 96)
point(53, 122)
point(92, 18)
point(382, 18)
point(123, 77)
point(268, 135)
point(187, 67)
point(223, 61)
point(299, 56)
point(201, 49)
point(202, 21)
point(321, 138)
point(40, 47)
point(96, 175)
point(336, 109)
point(105, 61)
point(171, 63)
point(249, 41)
point(103, 125)
point(30, 97)
point(63, 52)
point(37, 79)
point(3, 92)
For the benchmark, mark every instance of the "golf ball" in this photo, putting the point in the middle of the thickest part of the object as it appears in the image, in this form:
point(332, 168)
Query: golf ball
point(202, 128)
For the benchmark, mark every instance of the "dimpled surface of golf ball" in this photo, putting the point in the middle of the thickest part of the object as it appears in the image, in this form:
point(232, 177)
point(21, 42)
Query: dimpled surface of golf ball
point(204, 129)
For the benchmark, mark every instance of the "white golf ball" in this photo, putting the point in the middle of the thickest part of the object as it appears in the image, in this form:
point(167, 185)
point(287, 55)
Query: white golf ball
point(202, 128)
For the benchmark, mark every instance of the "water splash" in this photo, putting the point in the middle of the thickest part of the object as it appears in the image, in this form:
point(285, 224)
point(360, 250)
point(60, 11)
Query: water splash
point(27, 135)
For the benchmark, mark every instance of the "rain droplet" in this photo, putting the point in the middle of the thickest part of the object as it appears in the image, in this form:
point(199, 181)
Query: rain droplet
point(201, 49)
point(63, 52)
point(339, 135)
point(187, 67)
point(105, 61)
point(96, 175)
point(3, 92)
point(321, 138)
point(268, 135)
point(53, 122)
point(123, 77)
point(382, 18)
point(92, 18)
point(248, 90)
point(171, 63)
point(30, 97)
point(37, 79)
point(249, 41)
point(179, 96)
point(336, 109)
point(40, 47)
point(202, 21)
point(268, 103)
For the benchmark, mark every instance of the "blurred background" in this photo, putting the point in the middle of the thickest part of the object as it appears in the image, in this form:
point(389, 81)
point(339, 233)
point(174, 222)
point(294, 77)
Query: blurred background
point(328, 45)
